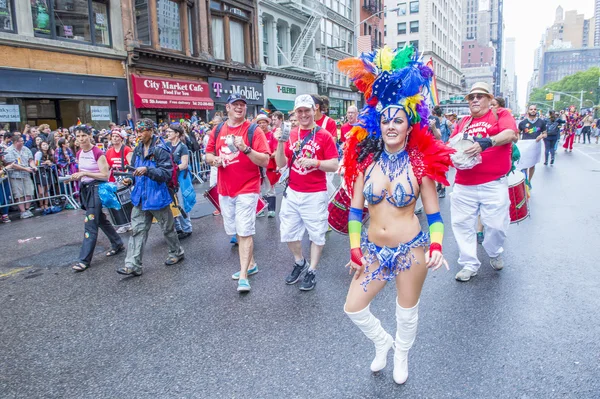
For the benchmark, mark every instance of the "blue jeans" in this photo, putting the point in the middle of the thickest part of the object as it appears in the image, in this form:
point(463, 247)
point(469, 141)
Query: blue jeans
point(4, 196)
point(181, 223)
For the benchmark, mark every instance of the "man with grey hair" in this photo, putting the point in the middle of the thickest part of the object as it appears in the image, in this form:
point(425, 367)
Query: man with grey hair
point(351, 119)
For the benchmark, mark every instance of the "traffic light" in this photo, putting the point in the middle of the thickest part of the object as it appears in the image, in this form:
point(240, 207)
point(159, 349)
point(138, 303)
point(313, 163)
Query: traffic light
point(549, 97)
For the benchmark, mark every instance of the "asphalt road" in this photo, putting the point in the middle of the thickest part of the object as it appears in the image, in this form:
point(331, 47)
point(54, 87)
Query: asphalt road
point(529, 331)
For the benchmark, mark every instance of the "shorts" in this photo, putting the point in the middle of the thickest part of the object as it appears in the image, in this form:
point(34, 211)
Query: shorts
point(21, 187)
point(239, 214)
point(302, 212)
point(578, 132)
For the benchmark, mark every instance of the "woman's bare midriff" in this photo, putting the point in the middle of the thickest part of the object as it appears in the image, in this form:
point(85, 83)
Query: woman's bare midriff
point(390, 226)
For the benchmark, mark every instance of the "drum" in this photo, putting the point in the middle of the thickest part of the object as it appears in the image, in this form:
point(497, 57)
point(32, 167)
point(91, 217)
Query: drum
point(122, 217)
point(339, 210)
point(519, 205)
point(212, 195)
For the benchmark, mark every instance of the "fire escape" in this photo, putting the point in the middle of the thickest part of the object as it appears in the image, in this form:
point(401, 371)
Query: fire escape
point(297, 59)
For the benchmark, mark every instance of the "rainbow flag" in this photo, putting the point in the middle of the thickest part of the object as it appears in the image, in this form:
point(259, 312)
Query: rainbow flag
point(433, 91)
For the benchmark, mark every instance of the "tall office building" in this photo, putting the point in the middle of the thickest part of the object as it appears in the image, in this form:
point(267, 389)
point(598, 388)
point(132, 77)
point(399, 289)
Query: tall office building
point(434, 28)
point(597, 24)
point(510, 82)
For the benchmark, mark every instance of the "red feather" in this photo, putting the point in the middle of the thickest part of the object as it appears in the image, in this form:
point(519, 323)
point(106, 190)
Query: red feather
point(428, 156)
point(350, 159)
point(358, 72)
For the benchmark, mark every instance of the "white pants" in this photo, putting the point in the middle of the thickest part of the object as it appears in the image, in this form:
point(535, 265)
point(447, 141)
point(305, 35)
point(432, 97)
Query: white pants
point(491, 202)
point(302, 212)
point(239, 214)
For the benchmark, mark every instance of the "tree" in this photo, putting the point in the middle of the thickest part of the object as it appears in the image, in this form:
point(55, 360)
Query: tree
point(588, 81)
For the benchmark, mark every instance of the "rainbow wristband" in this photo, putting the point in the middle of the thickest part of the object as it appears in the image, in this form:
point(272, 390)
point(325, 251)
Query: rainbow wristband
point(354, 231)
point(436, 232)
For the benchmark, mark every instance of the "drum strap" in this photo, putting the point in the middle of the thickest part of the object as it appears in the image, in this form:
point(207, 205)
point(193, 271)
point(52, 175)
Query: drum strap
point(297, 152)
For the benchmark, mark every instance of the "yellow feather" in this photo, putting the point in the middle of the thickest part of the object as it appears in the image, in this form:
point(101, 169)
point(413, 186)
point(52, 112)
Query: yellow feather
point(384, 58)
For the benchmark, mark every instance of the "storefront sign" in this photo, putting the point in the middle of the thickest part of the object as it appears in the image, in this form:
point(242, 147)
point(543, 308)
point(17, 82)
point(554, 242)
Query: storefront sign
point(221, 89)
point(150, 92)
point(100, 113)
point(10, 113)
point(285, 89)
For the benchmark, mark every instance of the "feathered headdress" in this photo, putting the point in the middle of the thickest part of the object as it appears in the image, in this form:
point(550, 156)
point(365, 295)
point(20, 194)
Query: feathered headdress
point(388, 78)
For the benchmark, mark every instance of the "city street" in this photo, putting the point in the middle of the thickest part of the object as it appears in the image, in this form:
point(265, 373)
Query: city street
point(529, 331)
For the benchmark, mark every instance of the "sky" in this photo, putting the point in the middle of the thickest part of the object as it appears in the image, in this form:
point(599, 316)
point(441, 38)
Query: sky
point(526, 21)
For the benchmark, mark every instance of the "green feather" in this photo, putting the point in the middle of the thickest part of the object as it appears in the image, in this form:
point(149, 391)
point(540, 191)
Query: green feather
point(403, 57)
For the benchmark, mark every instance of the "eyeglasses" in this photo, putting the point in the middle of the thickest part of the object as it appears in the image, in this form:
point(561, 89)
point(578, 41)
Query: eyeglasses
point(477, 96)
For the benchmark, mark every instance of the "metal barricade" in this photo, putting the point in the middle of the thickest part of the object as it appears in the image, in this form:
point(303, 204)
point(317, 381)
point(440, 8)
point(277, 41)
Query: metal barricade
point(198, 166)
point(47, 186)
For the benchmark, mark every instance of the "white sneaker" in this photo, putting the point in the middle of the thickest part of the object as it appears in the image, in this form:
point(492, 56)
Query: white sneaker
point(122, 229)
point(26, 215)
point(497, 263)
point(465, 275)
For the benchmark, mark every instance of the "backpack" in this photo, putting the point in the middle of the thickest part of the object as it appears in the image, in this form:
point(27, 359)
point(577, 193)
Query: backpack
point(191, 143)
point(251, 130)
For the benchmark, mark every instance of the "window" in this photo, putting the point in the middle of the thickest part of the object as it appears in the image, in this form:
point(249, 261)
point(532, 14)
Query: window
point(414, 26)
point(402, 28)
point(414, 7)
point(415, 43)
point(142, 21)
point(79, 20)
point(401, 9)
point(169, 27)
point(218, 38)
point(236, 33)
point(265, 42)
point(6, 16)
point(401, 44)
point(190, 17)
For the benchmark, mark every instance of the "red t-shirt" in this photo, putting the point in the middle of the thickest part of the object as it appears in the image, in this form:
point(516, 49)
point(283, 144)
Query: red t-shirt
point(239, 175)
point(346, 127)
point(321, 147)
point(496, 161)
point(331, 127)
point(114, 159)
point(272, 141)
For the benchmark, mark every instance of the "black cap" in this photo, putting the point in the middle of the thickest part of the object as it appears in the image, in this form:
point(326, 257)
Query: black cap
point(236, 97)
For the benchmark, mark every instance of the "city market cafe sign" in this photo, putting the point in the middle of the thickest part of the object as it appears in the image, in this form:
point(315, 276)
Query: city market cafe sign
point(154, 92)
point(221, 89)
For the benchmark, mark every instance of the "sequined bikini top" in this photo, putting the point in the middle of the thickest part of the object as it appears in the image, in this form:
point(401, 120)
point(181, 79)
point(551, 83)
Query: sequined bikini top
point(392, 165)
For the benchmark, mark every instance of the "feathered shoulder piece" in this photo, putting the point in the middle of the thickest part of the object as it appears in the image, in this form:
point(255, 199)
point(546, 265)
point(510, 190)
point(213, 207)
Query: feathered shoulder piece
point(352, 167)
point(428, 156)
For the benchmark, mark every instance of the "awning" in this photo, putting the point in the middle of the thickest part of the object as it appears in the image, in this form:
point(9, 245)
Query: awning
point(171, 102)
point(282, 105)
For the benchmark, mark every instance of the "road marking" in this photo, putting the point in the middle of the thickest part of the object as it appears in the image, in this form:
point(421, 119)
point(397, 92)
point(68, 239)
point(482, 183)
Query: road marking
point(587, 155)
point(14, 271)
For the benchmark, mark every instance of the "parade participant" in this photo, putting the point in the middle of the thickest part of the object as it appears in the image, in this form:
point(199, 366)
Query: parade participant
point(483, 189)
point(351, 119)
point(531, 128)
point(93, 170)
point(293, 119)
point(272, 174)
point(150, 198)
point(212, 179)
point(586, 131)
point(552, 136)
point(43, 179)
point(391, 160)
point(572, 119)
point(309, 153)
point(186, 196)
point(238, 158)
point(321, 119)
point(118, 155)
point(20, 167)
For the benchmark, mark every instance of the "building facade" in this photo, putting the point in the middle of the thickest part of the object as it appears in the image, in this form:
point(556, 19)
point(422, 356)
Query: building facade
point(370, 25)
point(561, 63)
point(434, 28)
point(63, 61)
point(510, 81)
point(176, 64)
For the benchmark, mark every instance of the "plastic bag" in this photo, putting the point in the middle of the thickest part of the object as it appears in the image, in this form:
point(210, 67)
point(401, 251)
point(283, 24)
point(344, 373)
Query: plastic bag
point(108, 196)
point(459, 158)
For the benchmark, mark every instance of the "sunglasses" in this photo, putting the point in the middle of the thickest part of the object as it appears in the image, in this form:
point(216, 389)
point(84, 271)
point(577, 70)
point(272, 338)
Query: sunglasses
point(477, 96)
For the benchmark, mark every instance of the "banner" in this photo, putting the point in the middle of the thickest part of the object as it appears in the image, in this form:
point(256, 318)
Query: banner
point(100, 113)
point(10, 113)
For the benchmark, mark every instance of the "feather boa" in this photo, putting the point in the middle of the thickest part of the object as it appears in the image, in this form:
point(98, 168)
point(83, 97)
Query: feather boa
point(428, 156)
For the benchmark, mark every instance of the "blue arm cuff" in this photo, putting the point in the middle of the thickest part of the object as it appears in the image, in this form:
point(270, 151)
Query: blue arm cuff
point(355, 214)
point(434, 218)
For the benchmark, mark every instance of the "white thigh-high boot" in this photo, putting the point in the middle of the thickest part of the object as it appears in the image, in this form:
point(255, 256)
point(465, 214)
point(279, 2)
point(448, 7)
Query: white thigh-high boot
point(407, 321)
point(371, 327)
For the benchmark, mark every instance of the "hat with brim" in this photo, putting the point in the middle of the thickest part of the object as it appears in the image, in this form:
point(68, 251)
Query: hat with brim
point(480, 88)
point(304, 101)
point(262, 117)
point(236, 97)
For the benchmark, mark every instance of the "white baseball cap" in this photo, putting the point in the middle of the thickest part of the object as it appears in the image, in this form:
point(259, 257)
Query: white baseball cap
point(304, 101)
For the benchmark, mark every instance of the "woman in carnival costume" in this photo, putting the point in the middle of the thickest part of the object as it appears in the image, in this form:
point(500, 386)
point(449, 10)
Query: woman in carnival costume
point(391, 160)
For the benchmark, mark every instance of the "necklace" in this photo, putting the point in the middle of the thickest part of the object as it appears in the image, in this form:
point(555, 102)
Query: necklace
point(230, 129)
point(393, 164)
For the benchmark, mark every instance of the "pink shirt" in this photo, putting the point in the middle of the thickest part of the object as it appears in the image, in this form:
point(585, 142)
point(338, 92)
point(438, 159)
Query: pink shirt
point(88, 162)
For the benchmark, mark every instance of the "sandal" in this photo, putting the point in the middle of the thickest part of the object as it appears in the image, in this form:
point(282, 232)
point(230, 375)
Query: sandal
point(79, 267)
point(114, 251)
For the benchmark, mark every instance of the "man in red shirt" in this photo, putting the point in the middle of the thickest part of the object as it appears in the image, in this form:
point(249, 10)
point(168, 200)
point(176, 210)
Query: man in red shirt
point(483, 189)
point(118, 155)
point(351, 119)
point(238, 180)
point(325, 122)
point(272, 173)
point(310, 152)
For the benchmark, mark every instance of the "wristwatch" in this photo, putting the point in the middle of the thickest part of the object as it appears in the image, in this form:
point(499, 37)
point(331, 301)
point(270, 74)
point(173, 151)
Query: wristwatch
point(247, 150)
point(493, 141)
